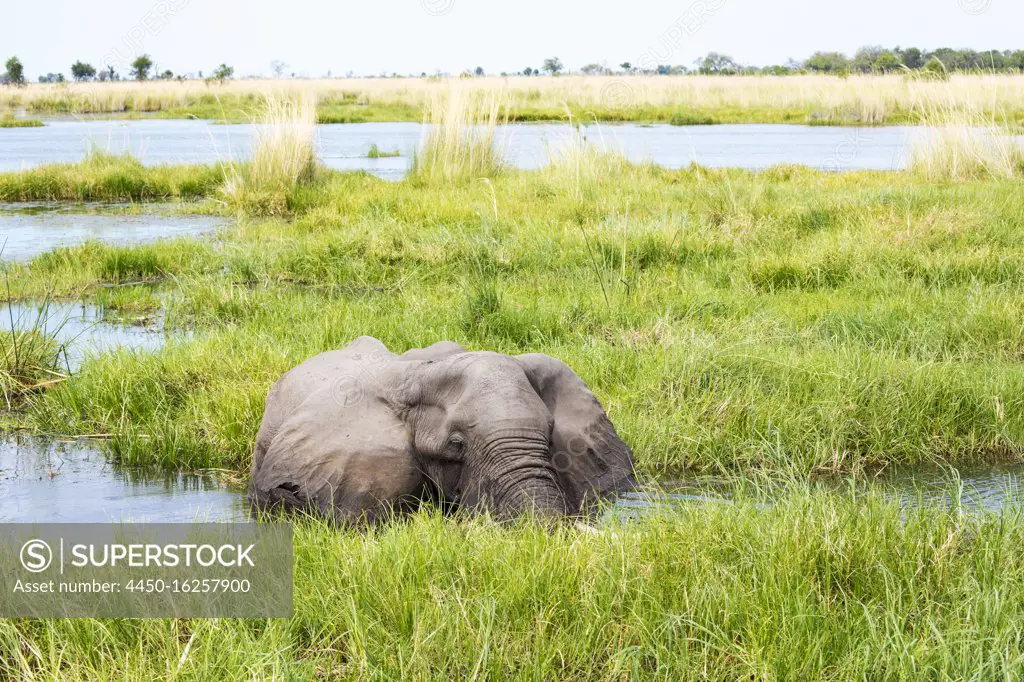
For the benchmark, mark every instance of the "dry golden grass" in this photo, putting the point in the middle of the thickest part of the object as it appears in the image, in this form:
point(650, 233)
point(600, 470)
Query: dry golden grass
point(961, 141)
point(868, 99)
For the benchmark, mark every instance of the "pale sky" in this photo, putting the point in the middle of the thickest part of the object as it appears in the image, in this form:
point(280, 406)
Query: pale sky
point(411, 36)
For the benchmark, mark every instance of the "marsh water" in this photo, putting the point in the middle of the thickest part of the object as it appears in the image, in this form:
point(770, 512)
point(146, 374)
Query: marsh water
point(83, 329)
point(43, 481)
point(345, 146)
point(29, 229)
point(50, 482)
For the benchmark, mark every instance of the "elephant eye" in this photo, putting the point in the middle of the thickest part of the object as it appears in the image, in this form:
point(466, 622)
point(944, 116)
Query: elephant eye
point(455, 448)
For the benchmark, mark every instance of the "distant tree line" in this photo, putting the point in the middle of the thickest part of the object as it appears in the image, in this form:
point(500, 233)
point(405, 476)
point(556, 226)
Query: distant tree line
point(868, 59)
point(878, 59)
point(143, 68)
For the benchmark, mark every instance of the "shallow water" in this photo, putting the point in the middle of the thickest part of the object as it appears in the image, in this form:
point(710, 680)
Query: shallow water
point(83, 329)
point(27, 230)
point(978, 488)
point(73, 483)
point(974, 489)
point(344, 146)
point(42, 481)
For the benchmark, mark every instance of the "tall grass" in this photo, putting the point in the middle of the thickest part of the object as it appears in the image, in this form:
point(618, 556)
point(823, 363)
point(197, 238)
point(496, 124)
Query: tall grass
point(859, 99)
point(459, 137)
point(29, 358)
point(284, 156)
point(815, 587)
point(579, 159)
point(961, 142)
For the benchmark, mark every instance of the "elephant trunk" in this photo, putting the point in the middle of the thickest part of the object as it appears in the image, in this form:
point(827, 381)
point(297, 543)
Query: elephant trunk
point(524, 481)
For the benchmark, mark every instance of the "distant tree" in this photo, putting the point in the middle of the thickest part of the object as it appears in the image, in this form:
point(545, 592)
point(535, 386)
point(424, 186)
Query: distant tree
point(15, 72)
point(141, 67)
point(553, 65)
point(865, 58)
point(912, 58)
point(935, 69)
point(827, 62)
point(993, 59)
point(479, 71)
point(52, 78)
point(1016, 60)
point(81, 71)
point(592, 69)
point(950, 59)
point(887, 62)
point(715, 63)
point(112, 74)
point(528, 71)
point(223, 73)
point(626, 66)
point(663, 69)
point(278, 68)
point(167, 75)
point(969, 60)
point(777, 70)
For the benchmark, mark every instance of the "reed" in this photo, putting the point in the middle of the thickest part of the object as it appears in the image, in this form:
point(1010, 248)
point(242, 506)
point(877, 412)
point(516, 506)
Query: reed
point(29, 357)
point(858, 99)
point(961, 142)
point(580, 158)
point(459, 138)
point(284, 156)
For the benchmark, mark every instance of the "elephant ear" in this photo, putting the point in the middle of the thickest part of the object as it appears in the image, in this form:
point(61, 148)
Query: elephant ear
point(331, 441)
point(590, 458)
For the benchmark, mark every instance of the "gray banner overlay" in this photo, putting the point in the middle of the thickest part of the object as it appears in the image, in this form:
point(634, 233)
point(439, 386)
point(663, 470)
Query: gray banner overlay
point(146, 570)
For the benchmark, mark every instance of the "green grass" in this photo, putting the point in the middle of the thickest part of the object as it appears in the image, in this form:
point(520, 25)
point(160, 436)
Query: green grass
point(29, 361)
point(12, 122)
point(730, 321)
point(377, 153)
point(108, 177)
point(816, 587)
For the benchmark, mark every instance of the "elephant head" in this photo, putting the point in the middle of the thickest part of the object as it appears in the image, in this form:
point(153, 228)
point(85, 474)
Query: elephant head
point(361, 432)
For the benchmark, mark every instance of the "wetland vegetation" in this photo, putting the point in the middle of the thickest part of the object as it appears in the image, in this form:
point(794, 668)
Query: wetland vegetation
point(864, 99)
point(782, 324)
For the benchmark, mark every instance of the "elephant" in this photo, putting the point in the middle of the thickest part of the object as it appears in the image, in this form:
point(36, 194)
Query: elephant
point(360, 435)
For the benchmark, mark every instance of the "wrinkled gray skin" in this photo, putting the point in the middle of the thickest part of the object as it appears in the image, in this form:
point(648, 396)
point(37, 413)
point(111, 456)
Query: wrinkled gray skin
point(359, 433)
